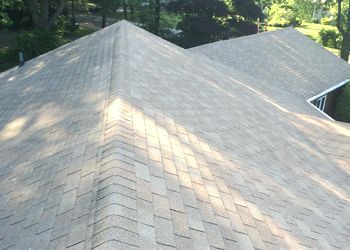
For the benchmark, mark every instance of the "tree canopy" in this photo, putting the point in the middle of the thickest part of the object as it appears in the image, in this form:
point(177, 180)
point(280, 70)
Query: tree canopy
point(44, 13)
point(205, 21)
point(343, 25)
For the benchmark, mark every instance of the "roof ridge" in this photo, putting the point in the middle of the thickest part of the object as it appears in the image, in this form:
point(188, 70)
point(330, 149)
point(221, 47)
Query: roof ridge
point(248, 36)
point(113, 120)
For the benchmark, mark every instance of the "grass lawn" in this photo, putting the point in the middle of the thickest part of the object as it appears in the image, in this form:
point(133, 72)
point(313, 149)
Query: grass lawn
point(312, 30)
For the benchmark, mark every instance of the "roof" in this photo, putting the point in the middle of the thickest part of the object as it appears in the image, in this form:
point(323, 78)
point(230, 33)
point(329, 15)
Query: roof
point(123, 140)
point(283, 59)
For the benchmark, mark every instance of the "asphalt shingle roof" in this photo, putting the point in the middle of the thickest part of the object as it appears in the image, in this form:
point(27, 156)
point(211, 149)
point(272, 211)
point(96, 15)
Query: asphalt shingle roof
point(121, 140)
point(283, 59)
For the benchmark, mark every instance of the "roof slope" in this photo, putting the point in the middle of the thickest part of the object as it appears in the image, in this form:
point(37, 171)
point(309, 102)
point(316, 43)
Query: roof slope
point(283, 58)
point(141, 144)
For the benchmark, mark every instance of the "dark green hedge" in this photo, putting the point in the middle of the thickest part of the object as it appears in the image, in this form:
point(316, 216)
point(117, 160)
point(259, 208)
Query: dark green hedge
point(330, 38)
point(342, 110)
point(38, 42)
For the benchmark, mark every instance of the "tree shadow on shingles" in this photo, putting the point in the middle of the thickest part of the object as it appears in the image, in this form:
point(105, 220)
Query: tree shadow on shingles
point(297, 186)
point(282, 162)
point(55, 105)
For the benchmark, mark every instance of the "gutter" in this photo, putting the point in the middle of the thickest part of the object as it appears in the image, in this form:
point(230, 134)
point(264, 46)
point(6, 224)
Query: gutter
point(330, 118)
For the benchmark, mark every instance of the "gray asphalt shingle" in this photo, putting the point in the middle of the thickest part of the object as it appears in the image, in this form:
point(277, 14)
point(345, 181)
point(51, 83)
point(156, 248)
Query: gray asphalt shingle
point(123, 140)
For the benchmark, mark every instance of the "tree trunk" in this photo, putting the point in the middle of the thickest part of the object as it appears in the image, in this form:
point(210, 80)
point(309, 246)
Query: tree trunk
point(104, 13)
point(125, 11)
point(31, 5)
point(44, 11)
point(56, 14)
point(132, 11)
point(344, 29)
point(104, 19)
point(73, 13)
point(345, 48)
point(40, 16)
point(156, 16)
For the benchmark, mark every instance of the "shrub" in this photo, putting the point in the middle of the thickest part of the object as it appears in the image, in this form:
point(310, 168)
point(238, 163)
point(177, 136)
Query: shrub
point(328, 20)
point(65, 24)
point(316, 20)
point(37, 42)
point(342, 108)
point(330, 38)
point(244, 27)
point(7, 54)
point(8, 58)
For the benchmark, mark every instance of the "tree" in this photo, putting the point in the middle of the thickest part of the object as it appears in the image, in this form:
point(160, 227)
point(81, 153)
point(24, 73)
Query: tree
point(266, 4)
point(105, 5)
point(14, 14)
point(343, 25)
point(303, 9)
point(151, 16)
point(291, 12)
point(44, 13)
point(125, 11)
point(281, 15)
point(246, 13)
point(203, 21)
point(108, 6)
point(156, 16)
point(136, 8)
point(247, 9)
point(73, 19)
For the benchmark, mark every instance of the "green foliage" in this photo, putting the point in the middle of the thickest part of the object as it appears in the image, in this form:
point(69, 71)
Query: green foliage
point(328, 20)
point(81, 5)
point(37, 42)
point(330, 38)
point(342, 110)
point(8, 58)
point(5, 21)
point(13, 14)
point(202, 21)
point(315, 20)
point(7, 54)
point(247, 9)
point(303, 9)
point(343, 25)
point(168, 20)
point(281, 15)
point(65, 24)
point(205, 21)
